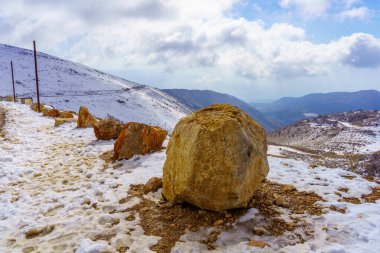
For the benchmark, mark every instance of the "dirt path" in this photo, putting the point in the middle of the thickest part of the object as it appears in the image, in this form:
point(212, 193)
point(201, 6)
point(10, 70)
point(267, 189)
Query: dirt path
point(55, 188)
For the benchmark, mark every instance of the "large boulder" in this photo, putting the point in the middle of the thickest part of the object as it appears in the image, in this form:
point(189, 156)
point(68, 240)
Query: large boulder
point(216, 159)
point(107, 129)
point(85, 119)
point(137, 138)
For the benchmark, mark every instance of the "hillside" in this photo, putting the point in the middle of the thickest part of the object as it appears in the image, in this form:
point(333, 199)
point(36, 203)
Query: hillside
point(67, 85)
point(196, 99)
point(353, 137)
point(289, 110)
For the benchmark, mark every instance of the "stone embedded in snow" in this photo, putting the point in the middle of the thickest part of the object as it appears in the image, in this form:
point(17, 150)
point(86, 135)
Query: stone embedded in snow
point(107, 129)
point(216, 159)
point(60, 121)
point(153, 185)
point(34, 107)
point(138, 138)
point(85, 118)
point(47, 112)
point(66, 115)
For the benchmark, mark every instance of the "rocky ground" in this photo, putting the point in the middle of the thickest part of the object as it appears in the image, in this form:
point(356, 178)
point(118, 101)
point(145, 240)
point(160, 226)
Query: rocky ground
point(60, 193)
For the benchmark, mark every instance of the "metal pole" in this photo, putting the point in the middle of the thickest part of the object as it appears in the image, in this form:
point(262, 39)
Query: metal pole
point(36, 69)
point(13, 82)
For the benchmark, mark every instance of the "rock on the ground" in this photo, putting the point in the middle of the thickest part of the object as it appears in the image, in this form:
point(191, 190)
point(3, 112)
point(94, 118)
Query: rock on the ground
point(47, 112)
point(34, 107)
point(138, 138)
point(85, 119)
point(107, 129)
point(153, 185)
point(60, 121)
point(216, 159)
point(66, 115)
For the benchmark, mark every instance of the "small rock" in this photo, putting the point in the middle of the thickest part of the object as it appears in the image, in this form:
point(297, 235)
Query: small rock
point(298, 211)
point(85, 118)
point(258, 244)
point(107, 129)
point(260, 231)
point(144, 209)
point(218, 223)
point(136, 138)
point(289, 188)
point(153, 185)
point(202, 212)
point(290, 225)
point(280, 201)
point(228, 216)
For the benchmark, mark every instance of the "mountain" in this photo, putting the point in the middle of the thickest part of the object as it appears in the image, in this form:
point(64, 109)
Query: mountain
point(289, 110)
point(67, 85)
point(348, 140)
point(196, 99)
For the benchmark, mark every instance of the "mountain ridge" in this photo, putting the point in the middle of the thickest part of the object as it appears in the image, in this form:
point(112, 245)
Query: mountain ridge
point(196, 99)
point(289, 110)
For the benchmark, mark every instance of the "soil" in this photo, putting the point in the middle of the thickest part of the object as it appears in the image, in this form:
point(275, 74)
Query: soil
point(170, 221)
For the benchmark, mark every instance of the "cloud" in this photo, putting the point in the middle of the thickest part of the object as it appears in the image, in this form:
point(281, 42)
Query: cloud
point(197, 35)
point(307, 9)
point(364, 52)
point(354, 13)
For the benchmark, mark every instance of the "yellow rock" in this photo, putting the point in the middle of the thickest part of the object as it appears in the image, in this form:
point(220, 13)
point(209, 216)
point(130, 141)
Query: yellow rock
point(60, 121)
point(216, 159)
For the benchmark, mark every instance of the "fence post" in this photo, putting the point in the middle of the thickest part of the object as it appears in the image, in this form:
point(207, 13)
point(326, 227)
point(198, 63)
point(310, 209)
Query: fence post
point(36, 70)
point(13, 82)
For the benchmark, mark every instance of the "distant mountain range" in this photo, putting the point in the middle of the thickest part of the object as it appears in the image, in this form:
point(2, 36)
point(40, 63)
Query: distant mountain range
point(196, 99)
point(288, 110)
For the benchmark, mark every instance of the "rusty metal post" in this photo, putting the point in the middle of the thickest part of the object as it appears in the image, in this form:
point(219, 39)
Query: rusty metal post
point(36, 70)
point(13, 82)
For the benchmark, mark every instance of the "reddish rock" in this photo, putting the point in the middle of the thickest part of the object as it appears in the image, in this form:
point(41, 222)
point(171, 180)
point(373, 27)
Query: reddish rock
point(137, 138)
point(107, 129)
point(85, 119)
point(50, 112)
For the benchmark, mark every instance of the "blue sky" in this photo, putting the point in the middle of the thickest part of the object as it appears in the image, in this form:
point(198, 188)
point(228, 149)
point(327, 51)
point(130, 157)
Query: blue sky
point(255, 50)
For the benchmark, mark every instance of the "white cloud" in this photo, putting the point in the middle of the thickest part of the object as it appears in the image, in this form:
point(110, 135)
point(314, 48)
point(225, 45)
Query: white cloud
point(354, 13)
point(182, 35)
point(307, 9)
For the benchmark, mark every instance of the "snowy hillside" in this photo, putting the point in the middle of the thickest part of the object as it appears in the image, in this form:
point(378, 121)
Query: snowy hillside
point(58, 195)
point(349, 140)
point(67, 85)
point(357, 131)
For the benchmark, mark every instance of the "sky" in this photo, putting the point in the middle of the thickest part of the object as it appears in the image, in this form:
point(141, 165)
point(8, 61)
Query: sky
point(255, 50)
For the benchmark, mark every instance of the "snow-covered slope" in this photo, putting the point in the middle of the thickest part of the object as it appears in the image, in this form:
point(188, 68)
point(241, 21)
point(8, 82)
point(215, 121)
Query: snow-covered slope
point(58, 195)
point(353, 132)
point(68, 85)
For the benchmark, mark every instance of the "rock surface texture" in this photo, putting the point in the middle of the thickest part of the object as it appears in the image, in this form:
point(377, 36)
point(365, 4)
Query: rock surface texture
point(85, 119)
point(107, 129)
point(216, 159)
point(137, 138)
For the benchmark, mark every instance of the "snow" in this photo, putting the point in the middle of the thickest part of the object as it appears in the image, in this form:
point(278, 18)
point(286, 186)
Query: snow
point(67, 85)
point(53, 176)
